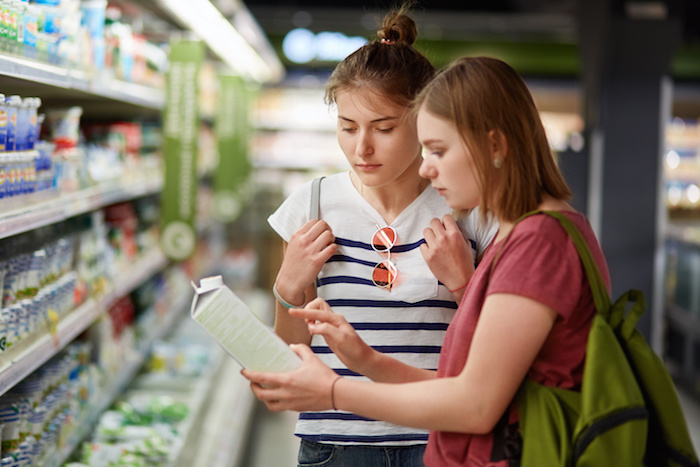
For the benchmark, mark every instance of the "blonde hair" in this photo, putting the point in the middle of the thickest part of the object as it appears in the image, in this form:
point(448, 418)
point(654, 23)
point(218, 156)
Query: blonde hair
point(389, 66)
point(480, 95)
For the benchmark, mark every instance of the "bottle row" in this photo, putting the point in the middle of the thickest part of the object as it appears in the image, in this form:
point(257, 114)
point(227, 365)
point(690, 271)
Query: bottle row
point(83, 33)
point(69, 157)
point(20, 122)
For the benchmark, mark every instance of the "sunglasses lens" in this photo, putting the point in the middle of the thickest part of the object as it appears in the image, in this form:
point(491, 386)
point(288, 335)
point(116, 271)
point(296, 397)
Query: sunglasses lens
point(384, 274)
point(384, 239)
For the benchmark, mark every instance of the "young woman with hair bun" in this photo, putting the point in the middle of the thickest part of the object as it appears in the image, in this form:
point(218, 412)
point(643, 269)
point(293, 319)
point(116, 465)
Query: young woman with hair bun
point(386, 253)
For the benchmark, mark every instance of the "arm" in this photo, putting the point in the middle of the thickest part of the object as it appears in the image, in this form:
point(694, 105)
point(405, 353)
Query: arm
point(508, 337)
point(307, 251)
point(448, 255)
point(343, 340)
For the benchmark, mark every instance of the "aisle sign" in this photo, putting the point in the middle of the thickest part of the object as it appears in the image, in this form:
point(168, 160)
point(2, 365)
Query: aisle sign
point(181, 132)
point(232, 132)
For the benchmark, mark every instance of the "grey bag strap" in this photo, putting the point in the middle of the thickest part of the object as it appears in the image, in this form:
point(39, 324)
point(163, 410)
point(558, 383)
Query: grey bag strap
point(315, 203)
point(315, 197)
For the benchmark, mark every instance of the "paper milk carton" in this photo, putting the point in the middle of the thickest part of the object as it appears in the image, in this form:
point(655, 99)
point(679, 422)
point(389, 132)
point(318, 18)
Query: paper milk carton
point(236, 328)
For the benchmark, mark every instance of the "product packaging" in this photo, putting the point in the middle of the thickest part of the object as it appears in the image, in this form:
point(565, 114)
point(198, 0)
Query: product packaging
point(236, 328)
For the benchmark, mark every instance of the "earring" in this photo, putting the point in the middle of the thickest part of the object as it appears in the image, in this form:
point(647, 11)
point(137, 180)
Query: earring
point(497, 163)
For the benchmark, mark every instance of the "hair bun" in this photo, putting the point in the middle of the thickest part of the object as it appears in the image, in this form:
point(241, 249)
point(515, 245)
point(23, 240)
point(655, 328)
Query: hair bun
point(398, 27)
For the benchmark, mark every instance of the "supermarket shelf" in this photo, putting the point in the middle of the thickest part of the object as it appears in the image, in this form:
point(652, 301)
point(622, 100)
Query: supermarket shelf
point(121, 380)
point(60, 78)
point(185, 453)
point(39, 72)
point(70, 205)
point(45, 347)
point(225, 434)
point(686, 232)
point(36, 353)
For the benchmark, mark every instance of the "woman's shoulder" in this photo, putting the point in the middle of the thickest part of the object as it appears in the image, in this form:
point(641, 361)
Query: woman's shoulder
point(544, 221)
point(545, 226)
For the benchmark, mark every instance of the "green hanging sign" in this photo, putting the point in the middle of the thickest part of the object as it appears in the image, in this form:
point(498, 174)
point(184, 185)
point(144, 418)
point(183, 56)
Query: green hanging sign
point(232, 132)
point(180, 134)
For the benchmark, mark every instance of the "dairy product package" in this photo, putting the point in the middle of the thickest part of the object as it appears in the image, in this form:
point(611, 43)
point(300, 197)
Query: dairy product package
point(252, 343)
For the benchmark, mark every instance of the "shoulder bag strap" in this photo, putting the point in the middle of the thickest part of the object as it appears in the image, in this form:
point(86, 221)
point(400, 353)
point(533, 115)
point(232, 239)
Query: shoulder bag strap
point(316, 203)
point(315, 197)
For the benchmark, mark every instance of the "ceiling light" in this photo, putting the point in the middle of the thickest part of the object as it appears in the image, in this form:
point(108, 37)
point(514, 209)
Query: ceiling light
point(205, 20)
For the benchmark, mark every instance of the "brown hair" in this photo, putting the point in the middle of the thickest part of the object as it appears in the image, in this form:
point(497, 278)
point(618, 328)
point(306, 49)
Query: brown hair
point(388, 66)
point(481, 94)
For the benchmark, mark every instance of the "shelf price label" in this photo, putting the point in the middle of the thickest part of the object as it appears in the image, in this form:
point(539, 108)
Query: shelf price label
point(232, 127)
point(181, 131)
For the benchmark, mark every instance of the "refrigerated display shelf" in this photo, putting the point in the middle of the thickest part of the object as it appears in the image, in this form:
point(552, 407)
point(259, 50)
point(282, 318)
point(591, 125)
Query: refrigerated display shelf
point(30, 355)
point(32, 71)
point(30, 217)
point(118, 383)
point(686, 232)
point(224, 434)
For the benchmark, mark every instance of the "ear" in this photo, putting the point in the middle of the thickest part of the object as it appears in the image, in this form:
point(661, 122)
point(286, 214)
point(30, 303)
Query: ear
point(498, 144)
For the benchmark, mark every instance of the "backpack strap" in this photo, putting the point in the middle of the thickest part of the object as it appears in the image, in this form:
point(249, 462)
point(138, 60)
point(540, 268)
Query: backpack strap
point(315, 197)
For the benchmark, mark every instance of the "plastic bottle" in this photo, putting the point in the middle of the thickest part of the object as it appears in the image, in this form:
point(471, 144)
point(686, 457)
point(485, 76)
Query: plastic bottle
point(31, 26)
point(12, 104)
point(11, 24)
point(21, 173)
point(21, 6)
point(3, 121)
point(33, 132)
point(22, 124)
point(10, 174)
point(4, 17)
point(3, 175)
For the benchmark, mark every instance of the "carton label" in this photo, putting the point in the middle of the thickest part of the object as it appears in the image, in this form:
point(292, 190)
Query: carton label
point(247, 339)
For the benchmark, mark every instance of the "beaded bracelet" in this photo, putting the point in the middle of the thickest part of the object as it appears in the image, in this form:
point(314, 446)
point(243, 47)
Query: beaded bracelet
point(282, 301)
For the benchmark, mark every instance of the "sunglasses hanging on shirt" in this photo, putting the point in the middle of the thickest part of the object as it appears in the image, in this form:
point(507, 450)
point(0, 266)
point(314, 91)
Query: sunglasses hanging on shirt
point(385, 272)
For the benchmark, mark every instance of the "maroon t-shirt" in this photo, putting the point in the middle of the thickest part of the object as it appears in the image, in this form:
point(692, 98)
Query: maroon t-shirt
point(539, 261)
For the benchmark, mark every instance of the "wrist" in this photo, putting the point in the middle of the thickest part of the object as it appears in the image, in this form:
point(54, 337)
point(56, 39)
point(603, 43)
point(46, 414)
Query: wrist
point(334, 403)
point(369, 363)
point(460, 285)
point(288, 300)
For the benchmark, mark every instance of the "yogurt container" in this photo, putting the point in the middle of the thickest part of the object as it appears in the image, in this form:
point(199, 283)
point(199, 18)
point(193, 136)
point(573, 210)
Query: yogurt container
point(3, 123)
point(12, 104)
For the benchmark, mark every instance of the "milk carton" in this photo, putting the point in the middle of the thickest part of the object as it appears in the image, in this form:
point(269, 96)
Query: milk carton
point(234, 326)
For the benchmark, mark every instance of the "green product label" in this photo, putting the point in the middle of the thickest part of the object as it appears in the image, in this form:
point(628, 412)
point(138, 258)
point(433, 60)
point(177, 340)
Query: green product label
point(11, 25)
point(232, 131)
point(4, 10)
point(181, 131)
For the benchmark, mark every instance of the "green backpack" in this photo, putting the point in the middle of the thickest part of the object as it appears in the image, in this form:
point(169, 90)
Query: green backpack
point(627, 412)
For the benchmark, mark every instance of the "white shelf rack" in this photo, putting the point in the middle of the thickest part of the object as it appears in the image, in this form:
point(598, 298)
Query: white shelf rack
point(119, 381)
point(65, 206)
point(30, 355)
point(34, 71)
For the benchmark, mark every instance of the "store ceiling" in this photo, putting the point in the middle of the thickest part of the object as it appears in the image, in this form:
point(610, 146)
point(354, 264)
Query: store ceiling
point(538, 37)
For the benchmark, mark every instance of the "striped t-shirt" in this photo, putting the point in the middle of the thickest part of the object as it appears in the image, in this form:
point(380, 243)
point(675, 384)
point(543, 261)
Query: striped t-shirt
point(408, 322)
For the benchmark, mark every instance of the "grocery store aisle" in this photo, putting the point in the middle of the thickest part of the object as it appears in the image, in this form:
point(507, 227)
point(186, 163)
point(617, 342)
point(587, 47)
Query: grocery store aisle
point(271, 440)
